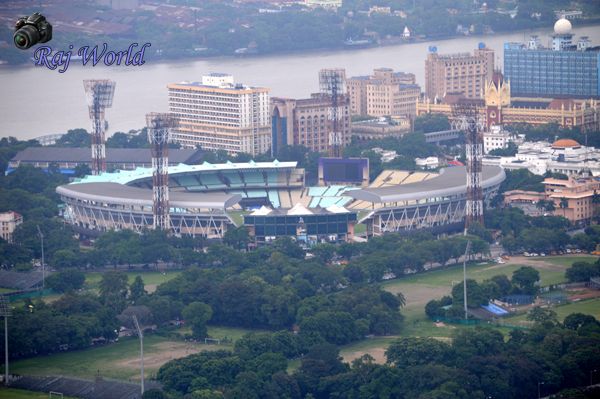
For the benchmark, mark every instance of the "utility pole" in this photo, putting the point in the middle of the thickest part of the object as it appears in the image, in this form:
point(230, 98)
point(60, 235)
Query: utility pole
point(5, 312)
point(43, 263)
point(141, 335)
point(467, 250)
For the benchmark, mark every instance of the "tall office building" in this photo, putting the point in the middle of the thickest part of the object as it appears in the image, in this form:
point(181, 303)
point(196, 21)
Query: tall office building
point(458, 73)
point(218, 114)
point(308, 122)
point(563, 69)
point(384, 93)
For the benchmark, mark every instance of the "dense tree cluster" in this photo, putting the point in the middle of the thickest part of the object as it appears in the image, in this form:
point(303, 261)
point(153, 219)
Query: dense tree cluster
point(71, 322)
point(406, 255)
point(276, 288)
point(526, 233)
point(583, 271)
point(479, 363)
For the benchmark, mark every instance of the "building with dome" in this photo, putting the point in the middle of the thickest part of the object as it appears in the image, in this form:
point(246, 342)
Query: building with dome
point(563, 69)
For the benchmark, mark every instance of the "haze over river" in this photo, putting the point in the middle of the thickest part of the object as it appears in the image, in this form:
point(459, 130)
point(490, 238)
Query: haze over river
point(35, 101)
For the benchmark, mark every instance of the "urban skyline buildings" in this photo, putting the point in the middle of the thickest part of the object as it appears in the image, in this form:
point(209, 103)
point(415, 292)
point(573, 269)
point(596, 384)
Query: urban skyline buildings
point(218, 114)
point(456, 73)
point(383, 93)
point(563, 69)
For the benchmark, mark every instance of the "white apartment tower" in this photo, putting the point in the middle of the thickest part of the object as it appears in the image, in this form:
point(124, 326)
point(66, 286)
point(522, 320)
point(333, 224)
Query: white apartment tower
point(218, 114)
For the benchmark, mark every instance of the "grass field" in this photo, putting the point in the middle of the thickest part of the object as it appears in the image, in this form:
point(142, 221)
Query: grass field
point(421, 288)
point(590, 306)
point(11, 393)
point(121, 360)
point(151, 279)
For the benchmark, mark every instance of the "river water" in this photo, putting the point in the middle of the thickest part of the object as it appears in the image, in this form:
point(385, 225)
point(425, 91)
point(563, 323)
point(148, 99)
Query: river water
point(35, 101)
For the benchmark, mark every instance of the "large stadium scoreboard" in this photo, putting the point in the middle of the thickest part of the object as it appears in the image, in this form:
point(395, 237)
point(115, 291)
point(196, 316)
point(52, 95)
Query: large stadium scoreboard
point(344, 171)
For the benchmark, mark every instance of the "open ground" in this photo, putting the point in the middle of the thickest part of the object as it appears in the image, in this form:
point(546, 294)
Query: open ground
point(11, 393)
point(121, 359)
point(420, 288)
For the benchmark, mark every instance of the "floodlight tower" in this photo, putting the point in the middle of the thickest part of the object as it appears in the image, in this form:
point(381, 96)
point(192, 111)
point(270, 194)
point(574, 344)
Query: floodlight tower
point(5, 312)
point(159, 132)
point(469, 120)
point(99, 95)
point(332, 83)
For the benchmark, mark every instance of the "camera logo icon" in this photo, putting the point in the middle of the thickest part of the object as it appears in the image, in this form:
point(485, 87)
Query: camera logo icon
point(32, 30)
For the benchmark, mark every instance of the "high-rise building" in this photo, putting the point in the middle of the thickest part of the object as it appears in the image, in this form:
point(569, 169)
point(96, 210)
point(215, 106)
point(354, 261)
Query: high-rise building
point(463, 73)
point(218, 114)
point(384, 93)
point(8, 223)
point(308, 122)
point(563, 69)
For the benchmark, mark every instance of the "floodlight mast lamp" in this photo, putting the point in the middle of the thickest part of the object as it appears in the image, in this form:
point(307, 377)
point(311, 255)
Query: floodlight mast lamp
point(332, 83)
point(99, 95)
point(159, 133)
point(469, 119)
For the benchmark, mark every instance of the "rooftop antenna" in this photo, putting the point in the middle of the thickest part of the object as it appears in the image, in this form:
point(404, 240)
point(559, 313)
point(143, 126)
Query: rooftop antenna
point(141, 335)
point(99, 95)
point(5, 312)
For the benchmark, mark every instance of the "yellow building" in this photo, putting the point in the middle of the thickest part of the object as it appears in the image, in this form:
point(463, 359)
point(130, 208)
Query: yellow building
point(498, 108)
point(573, 198)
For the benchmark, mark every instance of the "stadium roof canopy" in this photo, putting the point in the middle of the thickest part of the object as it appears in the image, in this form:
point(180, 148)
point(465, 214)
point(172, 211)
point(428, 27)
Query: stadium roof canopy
point(113, 155)
point(451, 181)
point(127, 176)
point(114, 193)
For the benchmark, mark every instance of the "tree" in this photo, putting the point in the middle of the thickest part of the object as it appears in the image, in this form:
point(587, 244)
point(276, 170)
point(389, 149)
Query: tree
point(564, 204)
point(411, 351)
point(136, 289)
point(237, 237)
point(74, 138)
point(431, 123)
point(525, 279)
point(113, 290)
point(82, 170)
point(196, 315)
point(66, 280)
point(582, 271)
point(542, 316)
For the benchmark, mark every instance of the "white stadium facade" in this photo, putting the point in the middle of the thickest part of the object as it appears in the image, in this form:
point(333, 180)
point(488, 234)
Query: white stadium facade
point(205, 200)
